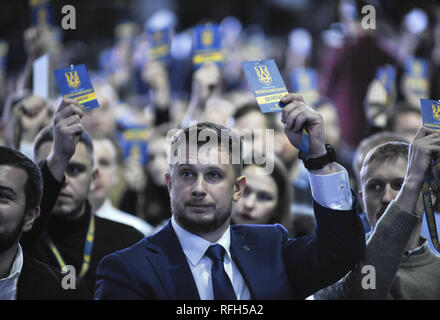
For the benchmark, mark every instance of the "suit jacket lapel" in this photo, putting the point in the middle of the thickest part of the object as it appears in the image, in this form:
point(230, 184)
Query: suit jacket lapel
point(244, 254)
point(171, 265)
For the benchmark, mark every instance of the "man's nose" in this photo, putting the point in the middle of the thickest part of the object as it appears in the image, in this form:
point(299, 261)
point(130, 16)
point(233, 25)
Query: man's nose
point(389, 194)
point(198, 188)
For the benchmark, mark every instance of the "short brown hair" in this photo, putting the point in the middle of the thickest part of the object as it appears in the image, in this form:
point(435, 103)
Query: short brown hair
point(220, 131)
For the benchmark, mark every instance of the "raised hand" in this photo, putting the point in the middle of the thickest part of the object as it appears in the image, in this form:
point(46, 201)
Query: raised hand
point(296, 116)
point(67, 128)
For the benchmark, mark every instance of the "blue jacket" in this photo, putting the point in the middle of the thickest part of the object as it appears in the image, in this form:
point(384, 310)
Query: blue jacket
point(273, 266)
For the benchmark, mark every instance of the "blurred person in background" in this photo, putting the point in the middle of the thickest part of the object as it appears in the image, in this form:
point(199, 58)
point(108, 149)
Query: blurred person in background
point(24, 116)
point(267, 196)
point(105, 161)
point(404, 120)
point(101, 122)
point(206, 83)
point(347, 70)
point(146, 195)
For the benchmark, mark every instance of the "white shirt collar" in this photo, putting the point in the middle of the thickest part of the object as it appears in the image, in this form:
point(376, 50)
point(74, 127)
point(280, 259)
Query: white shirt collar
point(8, 285)
point(195, 247)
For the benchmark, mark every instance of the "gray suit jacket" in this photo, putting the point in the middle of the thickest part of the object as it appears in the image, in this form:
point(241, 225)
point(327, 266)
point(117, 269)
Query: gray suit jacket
point(385, 248)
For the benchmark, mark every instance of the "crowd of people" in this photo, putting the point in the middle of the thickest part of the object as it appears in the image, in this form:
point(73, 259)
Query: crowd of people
point(76, 191)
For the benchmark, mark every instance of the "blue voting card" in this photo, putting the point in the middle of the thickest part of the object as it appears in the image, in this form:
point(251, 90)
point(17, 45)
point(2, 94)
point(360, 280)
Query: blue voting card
point(304, 81)
point(266, 83)
point(207, 45)
point(430, 113)
point(387, 76)
point(417, 74)
point(133, 142)
point(41, 12)
point(159, 44)
point(74, 83)
point(416, 67)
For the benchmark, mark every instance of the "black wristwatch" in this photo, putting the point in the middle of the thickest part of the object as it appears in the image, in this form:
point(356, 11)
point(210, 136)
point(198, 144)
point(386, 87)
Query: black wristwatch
point(319, 163)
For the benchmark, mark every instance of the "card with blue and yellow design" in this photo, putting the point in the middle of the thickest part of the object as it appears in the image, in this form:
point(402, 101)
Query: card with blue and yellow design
point(41, 12)
point(207, 45)
point(430, 113)
point(74, 83)
point(133, 142)
point(266, 83)
point(417, 74)
point(159, 42)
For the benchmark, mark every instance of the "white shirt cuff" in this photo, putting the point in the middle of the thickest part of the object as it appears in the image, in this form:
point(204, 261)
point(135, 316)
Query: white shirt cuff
point(332, 190)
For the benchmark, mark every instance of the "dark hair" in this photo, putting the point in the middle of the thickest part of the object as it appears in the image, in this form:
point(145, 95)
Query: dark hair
point(281, 177)
point(390, 151)
point(220, 131)
point(46, 135)
point(33, 188)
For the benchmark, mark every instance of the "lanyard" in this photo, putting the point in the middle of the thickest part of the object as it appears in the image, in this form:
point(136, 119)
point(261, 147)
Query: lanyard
point(431, 182)
point(87, 248)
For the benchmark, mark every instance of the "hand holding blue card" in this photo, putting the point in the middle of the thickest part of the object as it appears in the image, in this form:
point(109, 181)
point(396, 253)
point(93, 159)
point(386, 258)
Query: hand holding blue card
point(266, 83)
point(430, 113)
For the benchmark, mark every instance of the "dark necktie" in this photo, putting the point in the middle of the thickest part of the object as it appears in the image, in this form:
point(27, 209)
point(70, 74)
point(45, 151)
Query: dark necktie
point(221, 283)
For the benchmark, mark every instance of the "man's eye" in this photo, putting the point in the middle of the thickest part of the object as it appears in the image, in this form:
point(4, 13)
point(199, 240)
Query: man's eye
point(263, 196)
point(214, 175)
point(186, 174)
point(396, 185)
point(74, 170)
point(104, 163)
point(375, 187)
point(4, 198)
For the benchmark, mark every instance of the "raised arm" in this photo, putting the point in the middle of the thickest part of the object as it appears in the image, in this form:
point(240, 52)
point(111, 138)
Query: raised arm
point(66, 130)
point(318, 260)
point(393, 231)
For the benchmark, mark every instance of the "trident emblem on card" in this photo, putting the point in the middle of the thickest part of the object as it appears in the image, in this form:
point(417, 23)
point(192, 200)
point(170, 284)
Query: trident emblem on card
point(436, 112)
point(72, 79)
point(263, 74)
point(207, 37)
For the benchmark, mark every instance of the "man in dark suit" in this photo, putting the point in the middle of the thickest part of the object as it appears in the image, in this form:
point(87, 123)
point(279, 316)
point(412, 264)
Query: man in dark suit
point(198, 255)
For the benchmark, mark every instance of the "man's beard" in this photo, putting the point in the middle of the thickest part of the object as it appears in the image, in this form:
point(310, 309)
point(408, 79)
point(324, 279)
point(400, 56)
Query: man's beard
point(7, 240)
point(200, 226)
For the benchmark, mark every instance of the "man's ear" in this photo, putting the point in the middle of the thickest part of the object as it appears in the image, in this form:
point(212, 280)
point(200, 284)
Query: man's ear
point(30, 218)
point(239, 185)
point(95, 177)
